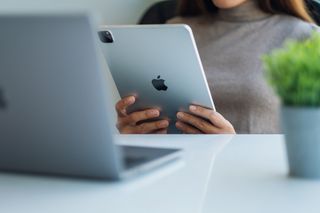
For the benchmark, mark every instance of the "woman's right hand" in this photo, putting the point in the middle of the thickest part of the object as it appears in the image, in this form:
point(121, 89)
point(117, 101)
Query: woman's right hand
point(133, 123)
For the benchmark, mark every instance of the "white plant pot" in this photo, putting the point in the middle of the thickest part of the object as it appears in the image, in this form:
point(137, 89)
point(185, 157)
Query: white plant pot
point(301, 127)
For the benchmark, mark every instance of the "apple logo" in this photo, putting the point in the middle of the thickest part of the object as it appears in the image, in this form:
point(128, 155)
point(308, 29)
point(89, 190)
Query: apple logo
point(159, 84)
point(3, 103)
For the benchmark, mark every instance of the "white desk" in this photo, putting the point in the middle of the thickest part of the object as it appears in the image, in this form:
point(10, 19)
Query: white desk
point(178, 187)
point(250, 175)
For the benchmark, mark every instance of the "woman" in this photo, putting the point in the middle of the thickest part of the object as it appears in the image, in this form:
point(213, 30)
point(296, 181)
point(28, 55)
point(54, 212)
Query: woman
point(231, 36)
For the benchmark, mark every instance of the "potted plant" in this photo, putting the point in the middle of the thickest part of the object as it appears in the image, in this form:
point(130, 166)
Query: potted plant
point(294, 73)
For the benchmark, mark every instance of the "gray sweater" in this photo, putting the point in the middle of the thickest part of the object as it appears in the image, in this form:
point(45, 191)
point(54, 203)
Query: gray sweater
point(230, 45)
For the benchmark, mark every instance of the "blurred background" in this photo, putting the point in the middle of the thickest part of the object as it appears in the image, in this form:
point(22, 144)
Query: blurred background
point(109, 11)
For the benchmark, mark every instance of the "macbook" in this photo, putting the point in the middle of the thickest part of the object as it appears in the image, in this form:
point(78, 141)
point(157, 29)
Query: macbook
point(55, 108)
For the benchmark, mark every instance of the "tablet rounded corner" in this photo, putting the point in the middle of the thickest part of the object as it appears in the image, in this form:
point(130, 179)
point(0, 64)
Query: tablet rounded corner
point(188, 28)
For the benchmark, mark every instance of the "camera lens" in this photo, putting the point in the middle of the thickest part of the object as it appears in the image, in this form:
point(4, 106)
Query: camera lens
point(106, 36)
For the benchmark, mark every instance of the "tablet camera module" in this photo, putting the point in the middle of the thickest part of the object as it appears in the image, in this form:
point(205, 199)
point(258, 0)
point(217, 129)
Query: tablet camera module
point(106, 37)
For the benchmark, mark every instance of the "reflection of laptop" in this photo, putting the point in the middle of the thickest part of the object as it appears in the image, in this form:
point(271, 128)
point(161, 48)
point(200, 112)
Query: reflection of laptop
point(55, 109)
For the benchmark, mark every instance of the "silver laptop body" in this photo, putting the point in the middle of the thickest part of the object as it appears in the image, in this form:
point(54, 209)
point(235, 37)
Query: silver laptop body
point(54, 105)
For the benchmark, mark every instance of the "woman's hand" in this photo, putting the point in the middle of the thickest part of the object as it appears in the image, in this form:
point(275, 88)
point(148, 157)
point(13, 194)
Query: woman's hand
point(203, 121)
point(133, 123)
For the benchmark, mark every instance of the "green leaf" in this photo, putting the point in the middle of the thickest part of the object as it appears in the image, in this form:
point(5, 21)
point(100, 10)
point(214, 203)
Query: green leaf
point(294, 71)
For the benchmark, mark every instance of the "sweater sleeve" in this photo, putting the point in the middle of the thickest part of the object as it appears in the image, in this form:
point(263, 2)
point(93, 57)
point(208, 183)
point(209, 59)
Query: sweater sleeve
point(303, 30)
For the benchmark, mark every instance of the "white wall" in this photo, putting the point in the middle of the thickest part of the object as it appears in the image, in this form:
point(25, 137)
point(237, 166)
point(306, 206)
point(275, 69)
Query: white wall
point(111, 11)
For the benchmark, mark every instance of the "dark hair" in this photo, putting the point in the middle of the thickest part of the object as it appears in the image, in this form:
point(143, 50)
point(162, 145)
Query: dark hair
point(295, 8)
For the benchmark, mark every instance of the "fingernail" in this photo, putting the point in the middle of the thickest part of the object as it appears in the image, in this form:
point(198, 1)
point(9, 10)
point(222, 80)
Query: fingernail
point(153, 113)
point(193, 108)
point(164, 124)
point(130, 99)
point(179, 114)
point(178, 124)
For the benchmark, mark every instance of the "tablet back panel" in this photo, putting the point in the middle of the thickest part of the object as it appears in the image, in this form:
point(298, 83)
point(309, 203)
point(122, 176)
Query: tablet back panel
point(143, 58)
point(54, 113)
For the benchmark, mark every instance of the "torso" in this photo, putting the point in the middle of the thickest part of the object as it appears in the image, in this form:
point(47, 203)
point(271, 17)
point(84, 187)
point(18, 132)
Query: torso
point(231, 55)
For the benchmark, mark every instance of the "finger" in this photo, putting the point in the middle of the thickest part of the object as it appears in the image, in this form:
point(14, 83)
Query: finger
point(126, 130)
point(161, 131)
point(216, 118)
point(185, 128)
point(149, 127)
point(122, 105)
point(136, 117)
point(197, 122)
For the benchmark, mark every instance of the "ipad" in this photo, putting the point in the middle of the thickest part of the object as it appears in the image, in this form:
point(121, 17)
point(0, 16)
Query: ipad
point(159, 64)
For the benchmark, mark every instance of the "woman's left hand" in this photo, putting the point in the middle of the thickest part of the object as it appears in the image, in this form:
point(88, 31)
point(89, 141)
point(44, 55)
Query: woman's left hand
point(203, 121)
